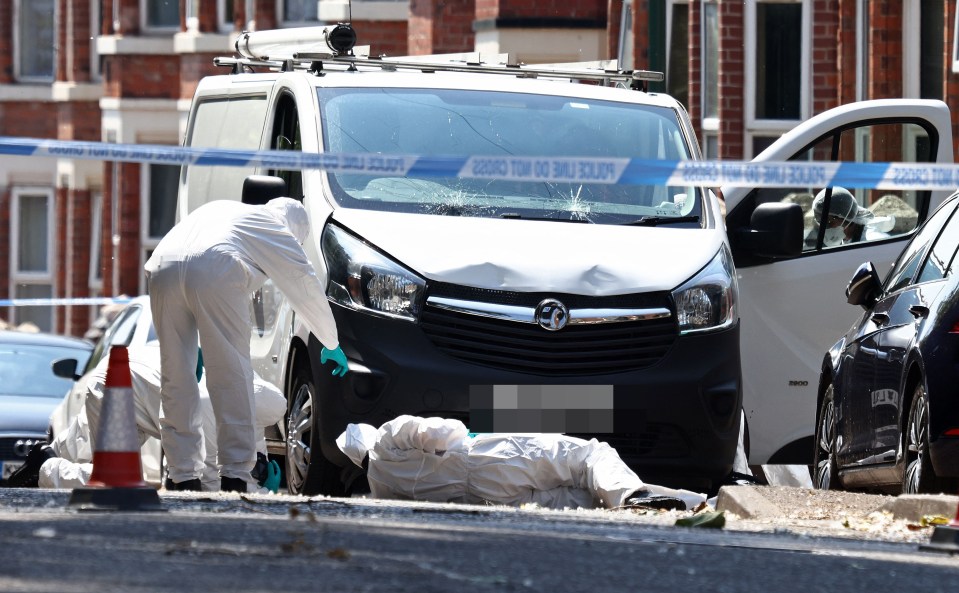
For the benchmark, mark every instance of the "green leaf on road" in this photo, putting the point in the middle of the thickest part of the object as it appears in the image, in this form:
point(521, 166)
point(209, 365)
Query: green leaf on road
point(713, 519)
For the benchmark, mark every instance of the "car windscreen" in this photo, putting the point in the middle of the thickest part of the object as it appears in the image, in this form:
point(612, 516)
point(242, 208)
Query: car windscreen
point(26, 369)
point(461, 123)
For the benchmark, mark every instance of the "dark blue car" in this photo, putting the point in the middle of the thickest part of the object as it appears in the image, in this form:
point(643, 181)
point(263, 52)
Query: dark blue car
point(888, 411)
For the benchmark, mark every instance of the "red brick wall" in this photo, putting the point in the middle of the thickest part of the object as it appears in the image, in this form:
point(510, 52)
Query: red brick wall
point(60, 225)
point(950, 78)
point(614, 10)
point(387, 38)
point(441, 26)
point(695, 104)
point(5, 250)
point(128, 18)
point(265, 13)
point(6, 42)
point(846, 52)
point(731, 81)
point(129, 252)
point(826, 36)
point(193, 67)
point(78, 120)
point(578, 9)
point(641, 35)
point(137, 76)
point(76, 319)
point(34, 119)
point(885, 49)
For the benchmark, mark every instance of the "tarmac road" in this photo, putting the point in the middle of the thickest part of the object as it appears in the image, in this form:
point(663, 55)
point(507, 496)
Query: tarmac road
point(228, 542)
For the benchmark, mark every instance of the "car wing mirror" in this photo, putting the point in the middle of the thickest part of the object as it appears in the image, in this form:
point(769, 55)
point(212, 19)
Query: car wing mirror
point(864, 287)
point(775, 231)
point(260, 189)
point(66, 368)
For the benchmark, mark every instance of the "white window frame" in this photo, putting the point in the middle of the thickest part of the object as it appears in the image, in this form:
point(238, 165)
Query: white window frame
point(281, 16)
point(94, 279)
point(710, 125)
point(148, 28)
point(17, 73)
point(955, 40)
point(17, 277)
point(224, 25)
point(625, 54)
point(95, 16)
point(768, 127)
point(911, 19)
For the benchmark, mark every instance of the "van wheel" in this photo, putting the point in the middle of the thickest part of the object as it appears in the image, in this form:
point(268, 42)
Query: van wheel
point(824, 471)
point(918, 477)
point(307, 470)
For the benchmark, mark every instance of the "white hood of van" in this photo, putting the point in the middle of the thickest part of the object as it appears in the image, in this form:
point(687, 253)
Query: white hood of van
point(526, 255)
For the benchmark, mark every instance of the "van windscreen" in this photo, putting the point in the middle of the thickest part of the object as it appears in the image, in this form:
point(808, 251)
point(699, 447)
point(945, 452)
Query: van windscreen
point(462, 123)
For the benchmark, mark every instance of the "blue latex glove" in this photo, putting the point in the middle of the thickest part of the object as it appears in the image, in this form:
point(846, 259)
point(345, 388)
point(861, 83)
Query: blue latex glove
point(337, 356)
point(272, 482)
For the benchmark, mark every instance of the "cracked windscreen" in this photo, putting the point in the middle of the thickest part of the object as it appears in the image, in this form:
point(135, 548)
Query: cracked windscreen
point(461, 123)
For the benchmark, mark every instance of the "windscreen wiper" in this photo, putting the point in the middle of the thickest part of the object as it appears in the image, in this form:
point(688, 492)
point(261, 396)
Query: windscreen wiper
point(516, 216)
point(658, 220)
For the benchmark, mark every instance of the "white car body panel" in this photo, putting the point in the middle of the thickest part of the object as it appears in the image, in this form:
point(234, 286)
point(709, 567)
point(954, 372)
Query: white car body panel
point(793, 310)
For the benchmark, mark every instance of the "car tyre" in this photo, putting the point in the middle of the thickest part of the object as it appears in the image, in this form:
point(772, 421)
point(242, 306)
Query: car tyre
point(825, 474)
point(307, 469)
point(918, 477)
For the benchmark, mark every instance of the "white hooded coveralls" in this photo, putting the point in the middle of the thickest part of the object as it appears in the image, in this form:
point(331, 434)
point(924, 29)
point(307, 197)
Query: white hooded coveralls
point(74, 446)
point(436, 460)
point(201, 276)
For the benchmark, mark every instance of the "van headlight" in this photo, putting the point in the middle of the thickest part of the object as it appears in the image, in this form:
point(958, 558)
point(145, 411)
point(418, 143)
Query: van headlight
point(364, 279)
point(708, 300)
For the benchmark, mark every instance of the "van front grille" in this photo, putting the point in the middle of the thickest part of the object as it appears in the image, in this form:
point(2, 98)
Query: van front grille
point(528, 348)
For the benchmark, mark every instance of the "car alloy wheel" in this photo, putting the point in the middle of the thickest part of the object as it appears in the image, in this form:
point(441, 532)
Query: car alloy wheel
point(825, 475)
point(918, 476)
point(299, 430)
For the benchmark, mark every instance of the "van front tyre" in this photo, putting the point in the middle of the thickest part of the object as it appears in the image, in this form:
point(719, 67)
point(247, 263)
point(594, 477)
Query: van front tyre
point(307, 470)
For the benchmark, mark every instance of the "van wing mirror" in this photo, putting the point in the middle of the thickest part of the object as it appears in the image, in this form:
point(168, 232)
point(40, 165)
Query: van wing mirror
point(775, 231)
point(864, 287)
point(260, 189)
point(66, 368)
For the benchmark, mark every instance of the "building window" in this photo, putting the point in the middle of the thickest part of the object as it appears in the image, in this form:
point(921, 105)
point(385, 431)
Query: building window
point(160, 183)
point(862, 50)
point(298, 12)
point(777, 68)
point(677, 51)
point(927, 78)
point(31, 254)
point(778, 63)
point(160, 15)
point(34, 40)
point(96, 248)
point(626, 36)
point(224, 14)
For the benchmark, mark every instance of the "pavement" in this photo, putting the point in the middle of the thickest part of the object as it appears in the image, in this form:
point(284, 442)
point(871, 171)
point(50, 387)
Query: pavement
point(777, 502)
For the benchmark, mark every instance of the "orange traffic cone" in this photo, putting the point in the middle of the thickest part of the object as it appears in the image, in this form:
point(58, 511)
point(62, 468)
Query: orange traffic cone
point(945, 538)
point(117, 479)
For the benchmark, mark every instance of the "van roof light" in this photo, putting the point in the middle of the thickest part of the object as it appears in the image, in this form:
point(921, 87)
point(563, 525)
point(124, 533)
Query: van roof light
point(282, 44)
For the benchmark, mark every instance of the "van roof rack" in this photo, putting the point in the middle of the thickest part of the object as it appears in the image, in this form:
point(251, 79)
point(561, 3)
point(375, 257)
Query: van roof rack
point(315, 48)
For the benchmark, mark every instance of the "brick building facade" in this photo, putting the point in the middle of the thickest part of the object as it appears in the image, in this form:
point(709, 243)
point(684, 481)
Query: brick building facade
point(125, 71)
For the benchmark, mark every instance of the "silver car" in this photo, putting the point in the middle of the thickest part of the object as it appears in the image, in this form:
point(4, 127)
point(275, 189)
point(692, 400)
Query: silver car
point(29, 389)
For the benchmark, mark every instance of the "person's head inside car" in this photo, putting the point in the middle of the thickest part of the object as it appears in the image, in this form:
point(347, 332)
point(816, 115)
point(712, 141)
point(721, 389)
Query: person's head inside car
point(845, 220)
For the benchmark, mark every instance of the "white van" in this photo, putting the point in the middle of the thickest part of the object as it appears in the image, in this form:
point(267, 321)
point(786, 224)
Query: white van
point(584, 308)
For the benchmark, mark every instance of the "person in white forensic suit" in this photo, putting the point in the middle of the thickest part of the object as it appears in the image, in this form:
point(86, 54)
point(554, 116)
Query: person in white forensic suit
point(438, 460)
point(847, 221)
point(200, 278)
point(74, 447)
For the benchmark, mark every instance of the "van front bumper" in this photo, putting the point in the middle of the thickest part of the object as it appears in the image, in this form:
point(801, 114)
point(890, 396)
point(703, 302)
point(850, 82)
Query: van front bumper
point(675, 422)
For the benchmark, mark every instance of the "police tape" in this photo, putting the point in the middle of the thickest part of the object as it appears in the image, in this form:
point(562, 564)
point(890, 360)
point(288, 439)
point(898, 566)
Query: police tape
point(64, 301)
point(884, 176)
